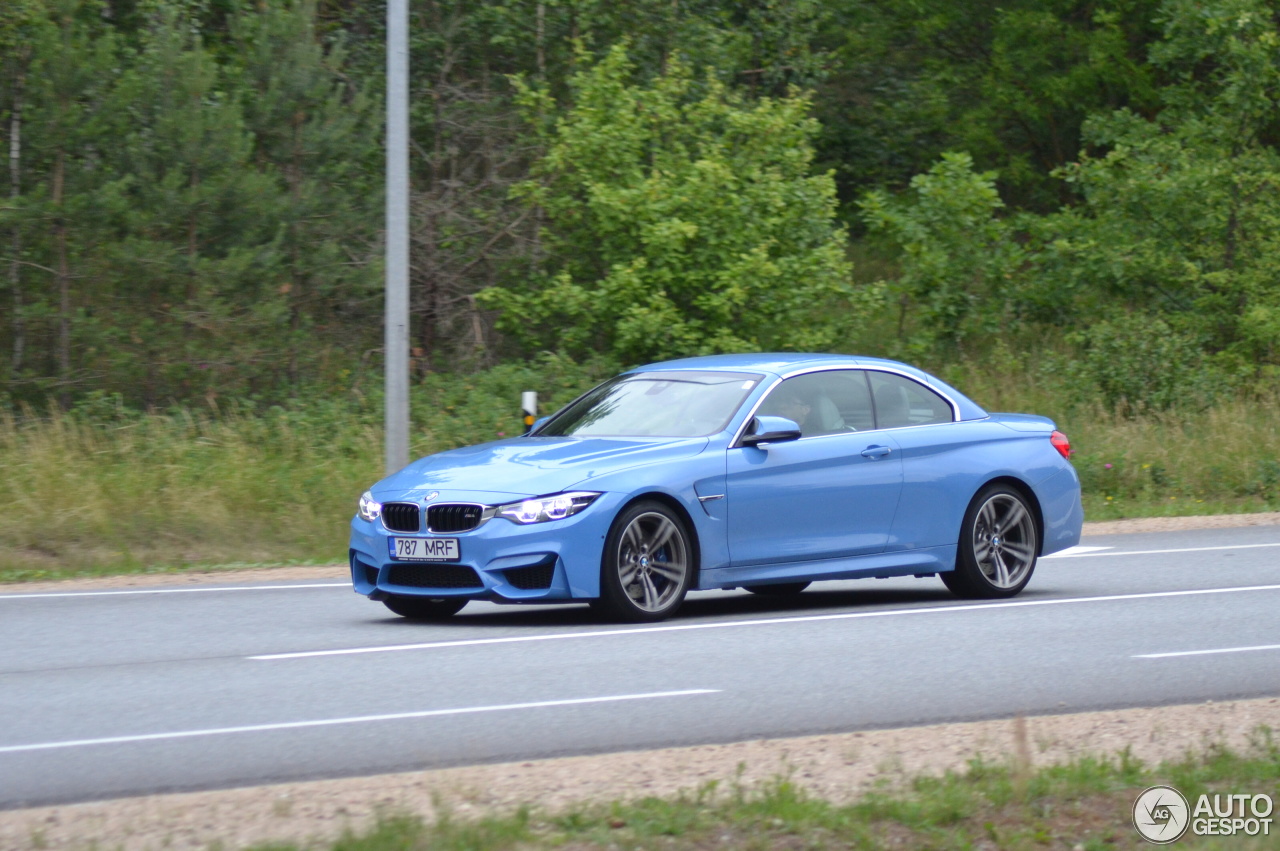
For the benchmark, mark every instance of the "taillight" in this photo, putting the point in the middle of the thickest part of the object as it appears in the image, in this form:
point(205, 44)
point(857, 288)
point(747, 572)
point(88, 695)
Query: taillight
point(1060, 443)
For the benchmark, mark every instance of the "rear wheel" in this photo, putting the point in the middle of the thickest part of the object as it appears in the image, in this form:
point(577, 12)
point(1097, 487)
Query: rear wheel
point(782, 589)
point(999, 544)
point(425, 608)
point(648, 564)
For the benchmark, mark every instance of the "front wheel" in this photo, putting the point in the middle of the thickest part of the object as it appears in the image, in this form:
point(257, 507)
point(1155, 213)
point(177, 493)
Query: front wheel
point(425, 608)
point(999, 543)
point(648, 564)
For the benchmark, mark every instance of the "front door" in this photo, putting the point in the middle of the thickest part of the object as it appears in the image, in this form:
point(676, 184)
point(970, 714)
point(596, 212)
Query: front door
point(830, 494)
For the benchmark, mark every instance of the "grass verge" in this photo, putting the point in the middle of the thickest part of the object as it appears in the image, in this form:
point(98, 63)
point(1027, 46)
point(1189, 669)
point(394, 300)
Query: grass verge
point(106, 490)
point(1085, 805)
point(103, 490)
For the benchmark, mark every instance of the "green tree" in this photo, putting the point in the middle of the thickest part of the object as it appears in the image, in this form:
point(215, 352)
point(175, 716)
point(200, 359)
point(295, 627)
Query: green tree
point(1181, 211)
point(20, 24)
point(472, 146)
point(681, 219)
point(64, 129)
point(185, 219)
point(1008, 81)
point(193, 255)
point(956, 254)
point(313, 133)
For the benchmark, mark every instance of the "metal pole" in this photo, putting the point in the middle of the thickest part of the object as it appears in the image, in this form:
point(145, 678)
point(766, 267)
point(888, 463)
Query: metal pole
point(397, 287)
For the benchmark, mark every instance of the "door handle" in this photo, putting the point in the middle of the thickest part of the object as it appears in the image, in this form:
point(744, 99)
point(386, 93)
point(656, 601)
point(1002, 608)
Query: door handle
point(876, 452)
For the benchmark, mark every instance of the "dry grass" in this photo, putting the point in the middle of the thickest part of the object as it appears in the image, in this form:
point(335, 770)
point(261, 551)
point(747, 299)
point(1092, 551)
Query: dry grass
point(1226, 458)
point(1220, 459)
point(127, 492)
point(177, 490)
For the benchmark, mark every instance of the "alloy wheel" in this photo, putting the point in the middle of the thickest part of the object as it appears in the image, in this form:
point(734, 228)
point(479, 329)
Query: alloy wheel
point(1004, 541)
point(653, 561)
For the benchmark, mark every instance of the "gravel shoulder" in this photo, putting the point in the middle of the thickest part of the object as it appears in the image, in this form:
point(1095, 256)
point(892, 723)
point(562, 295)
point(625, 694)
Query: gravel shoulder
point(838, 767)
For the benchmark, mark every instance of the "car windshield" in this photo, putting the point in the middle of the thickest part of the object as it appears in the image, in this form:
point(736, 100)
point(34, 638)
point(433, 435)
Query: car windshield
point(655, 404)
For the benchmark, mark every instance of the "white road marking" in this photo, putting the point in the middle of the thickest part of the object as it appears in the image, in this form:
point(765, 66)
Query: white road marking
point(1207, 652)
point(362, 719)
point(561, 636)
point(1077, 551)
point(1069, 554)
point(173, 590)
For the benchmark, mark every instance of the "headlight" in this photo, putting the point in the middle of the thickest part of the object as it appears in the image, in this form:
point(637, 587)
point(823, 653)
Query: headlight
point(369, 508)
point(543, 508)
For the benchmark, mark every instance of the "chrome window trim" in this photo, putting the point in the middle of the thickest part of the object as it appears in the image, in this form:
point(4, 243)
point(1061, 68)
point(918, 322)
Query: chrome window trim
point(955, 408)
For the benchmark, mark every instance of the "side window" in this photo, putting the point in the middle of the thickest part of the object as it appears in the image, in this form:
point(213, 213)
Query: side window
point(823, 402)
point(903, 402)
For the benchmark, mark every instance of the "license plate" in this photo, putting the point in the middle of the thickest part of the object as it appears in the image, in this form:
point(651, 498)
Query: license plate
point(424, 549)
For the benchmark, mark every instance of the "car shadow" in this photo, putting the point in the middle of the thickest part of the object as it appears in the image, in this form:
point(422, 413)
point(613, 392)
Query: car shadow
point(699, 606)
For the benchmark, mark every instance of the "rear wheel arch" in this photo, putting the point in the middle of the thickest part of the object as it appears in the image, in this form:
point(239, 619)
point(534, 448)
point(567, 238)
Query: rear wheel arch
point(999, 543)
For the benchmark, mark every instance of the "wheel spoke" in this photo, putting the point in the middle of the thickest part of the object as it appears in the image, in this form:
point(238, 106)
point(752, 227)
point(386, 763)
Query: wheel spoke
point(1020, 551)
point(981, 551)
point(627, 573)
point(1014, 516)
point(987, 515)
point(667, 570)
point(1002, 572)
point(650, 592)
point(631, 537)
point(661, 534)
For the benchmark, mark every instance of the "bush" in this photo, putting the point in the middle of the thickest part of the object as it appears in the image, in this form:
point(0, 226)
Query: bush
point(1141, 365)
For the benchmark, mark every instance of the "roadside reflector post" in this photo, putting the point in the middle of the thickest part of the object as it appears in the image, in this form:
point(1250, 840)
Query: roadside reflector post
point(529, 408)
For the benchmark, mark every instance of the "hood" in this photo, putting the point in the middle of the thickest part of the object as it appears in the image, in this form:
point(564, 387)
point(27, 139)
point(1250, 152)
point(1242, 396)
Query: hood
point(532, 466)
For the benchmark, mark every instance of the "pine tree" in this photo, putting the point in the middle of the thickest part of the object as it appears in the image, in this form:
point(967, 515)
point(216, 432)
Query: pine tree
point(194, 255)
point(314, 135)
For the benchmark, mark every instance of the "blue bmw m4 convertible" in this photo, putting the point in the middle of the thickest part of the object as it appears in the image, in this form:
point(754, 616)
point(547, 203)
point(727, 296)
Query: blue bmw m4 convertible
point(764, 472)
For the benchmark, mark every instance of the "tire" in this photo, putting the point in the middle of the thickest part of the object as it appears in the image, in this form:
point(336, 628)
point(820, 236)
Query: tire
point(648, 564)
point(782, 589)
point(999, 544)
point(425, 608)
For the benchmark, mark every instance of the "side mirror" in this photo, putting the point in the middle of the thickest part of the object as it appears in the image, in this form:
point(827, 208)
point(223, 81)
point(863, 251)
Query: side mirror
point(537, 424)
point(771, 430)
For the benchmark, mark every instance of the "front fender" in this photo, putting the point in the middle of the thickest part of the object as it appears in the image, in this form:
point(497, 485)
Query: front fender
point(679, 481)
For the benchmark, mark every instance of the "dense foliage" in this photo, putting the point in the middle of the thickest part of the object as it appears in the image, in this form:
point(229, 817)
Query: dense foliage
point(680, 219)
point(193, 191)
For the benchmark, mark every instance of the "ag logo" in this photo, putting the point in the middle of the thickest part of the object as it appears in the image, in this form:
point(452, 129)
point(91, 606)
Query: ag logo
point(432, 495)
point(1161, 815)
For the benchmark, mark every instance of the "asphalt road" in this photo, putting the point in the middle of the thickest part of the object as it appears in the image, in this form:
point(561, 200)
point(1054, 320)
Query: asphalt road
point(113, 693)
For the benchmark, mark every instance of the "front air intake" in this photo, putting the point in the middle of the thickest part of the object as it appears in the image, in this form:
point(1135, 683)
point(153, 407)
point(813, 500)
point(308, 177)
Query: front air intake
point(433, 576)
point(536, 577)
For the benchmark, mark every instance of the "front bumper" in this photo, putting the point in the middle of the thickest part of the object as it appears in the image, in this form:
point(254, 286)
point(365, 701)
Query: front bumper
point(499, 560)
